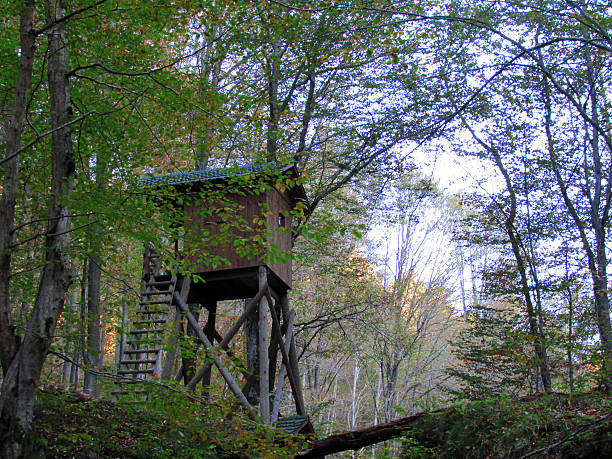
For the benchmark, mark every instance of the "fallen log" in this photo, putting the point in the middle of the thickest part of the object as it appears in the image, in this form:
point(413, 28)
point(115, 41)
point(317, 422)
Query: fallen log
point(357, 439)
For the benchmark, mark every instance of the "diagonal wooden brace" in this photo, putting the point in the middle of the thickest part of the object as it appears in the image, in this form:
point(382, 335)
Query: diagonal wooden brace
point(224, 344)
point(283, 370)
point(295, 388)
point(217, 361)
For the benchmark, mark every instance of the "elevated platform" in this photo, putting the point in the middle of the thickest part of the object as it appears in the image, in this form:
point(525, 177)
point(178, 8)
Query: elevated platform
point(231, 284)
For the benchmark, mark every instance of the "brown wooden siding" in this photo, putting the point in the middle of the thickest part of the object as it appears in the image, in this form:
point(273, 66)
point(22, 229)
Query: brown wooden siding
point(218, 229)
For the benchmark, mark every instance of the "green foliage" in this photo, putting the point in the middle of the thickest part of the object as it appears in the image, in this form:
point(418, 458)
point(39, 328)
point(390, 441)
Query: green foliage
point(500, 427)
point(170, 425)
point(493, 353)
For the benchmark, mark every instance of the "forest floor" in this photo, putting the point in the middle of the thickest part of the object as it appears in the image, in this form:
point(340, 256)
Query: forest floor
point(555, 425)
point(69, 424)
point(72, 425)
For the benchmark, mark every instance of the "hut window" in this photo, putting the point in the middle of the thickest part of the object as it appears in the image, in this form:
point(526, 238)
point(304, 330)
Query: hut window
point(281, 221)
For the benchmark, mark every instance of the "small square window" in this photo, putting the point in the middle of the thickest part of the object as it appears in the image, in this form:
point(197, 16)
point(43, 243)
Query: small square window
point(281, 221)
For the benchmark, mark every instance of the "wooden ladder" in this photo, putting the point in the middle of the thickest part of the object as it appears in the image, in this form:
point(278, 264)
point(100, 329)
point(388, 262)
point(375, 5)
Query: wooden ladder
point(141, 353)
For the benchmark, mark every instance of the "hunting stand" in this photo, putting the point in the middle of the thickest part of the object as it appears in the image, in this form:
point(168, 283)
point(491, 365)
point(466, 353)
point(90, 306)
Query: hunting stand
point(235, 227)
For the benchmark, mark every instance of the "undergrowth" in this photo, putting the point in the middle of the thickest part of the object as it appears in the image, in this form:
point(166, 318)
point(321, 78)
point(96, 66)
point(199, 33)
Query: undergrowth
point(68, 425)
point(501, 428)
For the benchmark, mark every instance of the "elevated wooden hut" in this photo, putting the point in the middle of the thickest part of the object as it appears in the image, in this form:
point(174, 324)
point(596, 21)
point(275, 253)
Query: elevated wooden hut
point(236, 244)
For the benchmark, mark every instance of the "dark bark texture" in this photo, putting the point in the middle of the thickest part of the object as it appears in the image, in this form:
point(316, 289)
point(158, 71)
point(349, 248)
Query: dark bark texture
point(23, 374)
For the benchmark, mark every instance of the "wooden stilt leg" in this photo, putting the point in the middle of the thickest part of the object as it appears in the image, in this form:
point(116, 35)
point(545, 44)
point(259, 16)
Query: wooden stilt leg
point(217, 361)
point(293, 356)
point(273, 348)
point(209, 330)
point(283, 371)
point(188, 357)
point(250, 308)
point(264, 397)
point(171, 354)
point(294, 378)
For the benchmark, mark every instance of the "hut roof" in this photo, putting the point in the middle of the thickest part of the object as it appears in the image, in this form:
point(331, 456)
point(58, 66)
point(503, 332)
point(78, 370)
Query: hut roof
point(297, 192)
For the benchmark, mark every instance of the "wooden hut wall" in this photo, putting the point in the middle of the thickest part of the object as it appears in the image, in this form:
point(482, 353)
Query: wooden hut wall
point(279, 206)
point(245, 208)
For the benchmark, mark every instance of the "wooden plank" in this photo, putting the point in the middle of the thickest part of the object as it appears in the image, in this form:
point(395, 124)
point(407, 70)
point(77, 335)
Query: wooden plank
point(142, 351)
point(141, 332)
point(283, 371)
point(134, 362)
point(264, 387)
point(217, 361)
point(135, 372)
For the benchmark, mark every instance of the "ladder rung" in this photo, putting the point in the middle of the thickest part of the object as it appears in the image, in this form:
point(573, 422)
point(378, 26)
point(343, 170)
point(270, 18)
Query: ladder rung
point(160, 292)
point(141, 332)
point(152, 311)
point(154, 302)
point(142, 351)
point(151, 321)
point(134, 362)
point(154, 283)
point(135, 372)
point(145, 341)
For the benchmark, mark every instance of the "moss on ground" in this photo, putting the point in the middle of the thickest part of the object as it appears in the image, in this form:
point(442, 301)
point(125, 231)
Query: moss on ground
point(69, 425)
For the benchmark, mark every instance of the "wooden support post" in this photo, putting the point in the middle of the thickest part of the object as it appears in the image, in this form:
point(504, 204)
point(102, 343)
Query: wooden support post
point(250, 308)
point(177, 326)
point(249, 383)
point(189, 356)
point(251, 336)
point(294, 377)
point(283, 371)
point(264, 397)
point(217, 361)
point(209, 330)
point(173, 344)
point(292, 353)
point(273, 348)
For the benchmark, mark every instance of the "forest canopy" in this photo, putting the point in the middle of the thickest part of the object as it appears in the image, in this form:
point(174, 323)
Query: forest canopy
point(408, 292)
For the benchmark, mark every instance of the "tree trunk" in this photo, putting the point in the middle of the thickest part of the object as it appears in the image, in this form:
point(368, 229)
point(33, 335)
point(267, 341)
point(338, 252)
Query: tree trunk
point(14, 131)
point(23, 374)
point(358, 439)
point(597, 255)
point(521, 257)
point(92, 352)
point(95, 346)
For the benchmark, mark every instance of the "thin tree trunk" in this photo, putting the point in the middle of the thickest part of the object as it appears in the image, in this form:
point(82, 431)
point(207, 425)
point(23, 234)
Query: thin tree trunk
point(570, 339)
point(92, 351)
point(520, 256)
point(264, 389)
point(95, 342)
point(596, 256)
point(353, 413)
